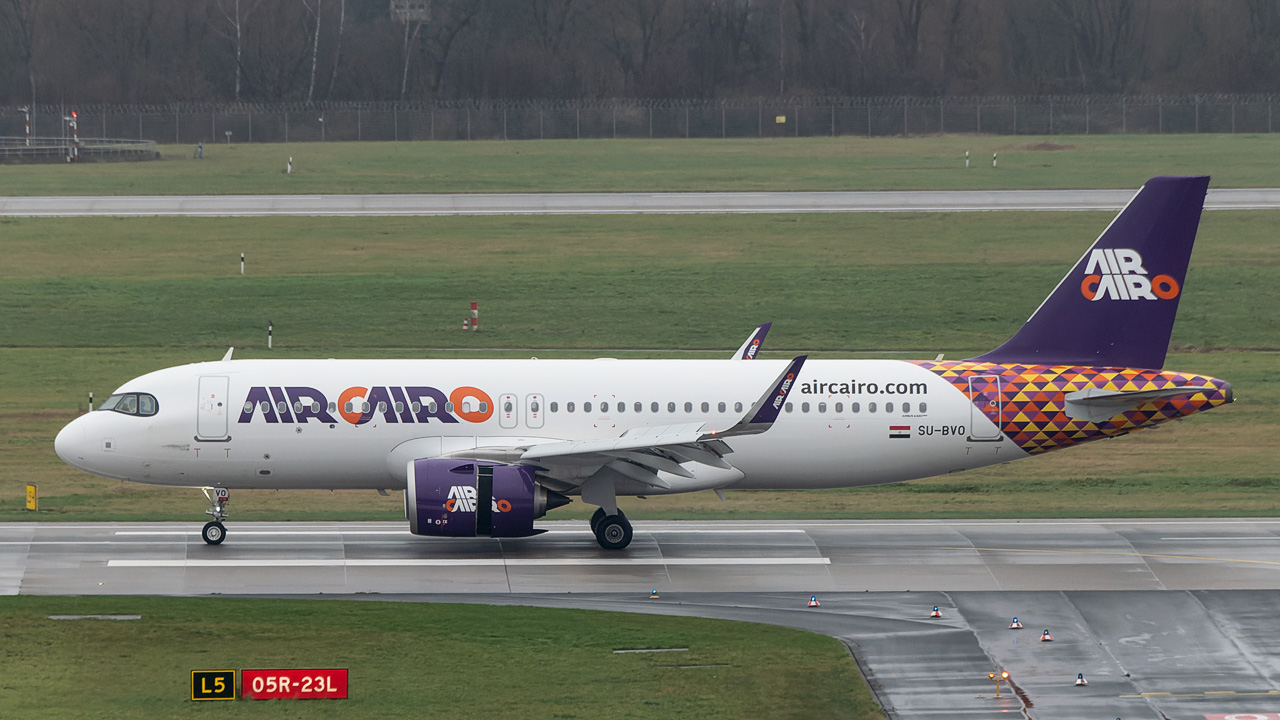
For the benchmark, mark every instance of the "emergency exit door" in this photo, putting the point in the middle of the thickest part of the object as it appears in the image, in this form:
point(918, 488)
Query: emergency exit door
point(211, 408)
point(987, 409)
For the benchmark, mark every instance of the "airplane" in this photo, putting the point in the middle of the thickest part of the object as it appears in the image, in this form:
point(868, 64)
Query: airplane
point(482, 448)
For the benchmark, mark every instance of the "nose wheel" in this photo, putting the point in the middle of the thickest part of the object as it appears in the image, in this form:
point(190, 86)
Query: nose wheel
point(214, 531)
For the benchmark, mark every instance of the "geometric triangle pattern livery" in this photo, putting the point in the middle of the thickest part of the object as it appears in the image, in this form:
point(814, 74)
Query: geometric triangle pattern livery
point(1027, 402)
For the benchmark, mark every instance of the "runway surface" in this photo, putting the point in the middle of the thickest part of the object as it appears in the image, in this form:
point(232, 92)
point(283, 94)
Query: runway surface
point(1165, 618)
point(606, 203)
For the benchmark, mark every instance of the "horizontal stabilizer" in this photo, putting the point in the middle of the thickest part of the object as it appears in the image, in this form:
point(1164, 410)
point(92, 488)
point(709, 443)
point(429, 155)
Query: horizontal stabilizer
point(1099, 405)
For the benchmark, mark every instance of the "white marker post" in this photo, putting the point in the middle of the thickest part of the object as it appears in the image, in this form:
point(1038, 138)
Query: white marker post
point(966, 158)
point(288, 168)
point(270, 327)
point(90, 401)
point(241, 263)
point(475, 316)
point(993, 159)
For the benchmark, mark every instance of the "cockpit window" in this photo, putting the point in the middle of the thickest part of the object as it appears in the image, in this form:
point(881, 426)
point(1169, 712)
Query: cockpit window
point(131, 404)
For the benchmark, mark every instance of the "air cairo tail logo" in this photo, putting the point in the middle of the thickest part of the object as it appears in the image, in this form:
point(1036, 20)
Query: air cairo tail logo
point(1118, 274)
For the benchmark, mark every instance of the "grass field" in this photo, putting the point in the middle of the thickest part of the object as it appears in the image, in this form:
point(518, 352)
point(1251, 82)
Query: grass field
point(88, 304)
point(843, 163)
point(459, 661)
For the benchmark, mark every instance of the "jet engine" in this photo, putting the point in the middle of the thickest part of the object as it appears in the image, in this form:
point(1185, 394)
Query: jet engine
point(473, 498)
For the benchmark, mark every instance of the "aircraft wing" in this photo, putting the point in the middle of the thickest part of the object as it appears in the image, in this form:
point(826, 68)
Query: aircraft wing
point(1099, 404)
point(754, 342)
point(640, 453)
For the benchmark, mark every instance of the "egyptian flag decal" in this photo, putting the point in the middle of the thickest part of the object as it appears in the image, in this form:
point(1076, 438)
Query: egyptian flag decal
point(899, 432)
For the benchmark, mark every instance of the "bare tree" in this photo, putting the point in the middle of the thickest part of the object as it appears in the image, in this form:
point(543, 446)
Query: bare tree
point(337, 52)
point(236, 13)
point(315, 45)
point(24, 14)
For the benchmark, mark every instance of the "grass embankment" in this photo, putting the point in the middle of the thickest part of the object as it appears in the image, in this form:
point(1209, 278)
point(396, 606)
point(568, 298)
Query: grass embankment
point(460, 661)
point(842, 163)
point(88, 304)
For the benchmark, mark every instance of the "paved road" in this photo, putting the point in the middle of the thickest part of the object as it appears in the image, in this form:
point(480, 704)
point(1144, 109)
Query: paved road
point(607, 203)
point(1170, 619)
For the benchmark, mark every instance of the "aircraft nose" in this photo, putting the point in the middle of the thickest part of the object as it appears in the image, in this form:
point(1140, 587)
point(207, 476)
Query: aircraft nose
point(69, 443)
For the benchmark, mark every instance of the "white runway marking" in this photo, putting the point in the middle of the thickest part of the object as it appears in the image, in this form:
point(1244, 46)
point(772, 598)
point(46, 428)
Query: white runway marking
point(462, 562)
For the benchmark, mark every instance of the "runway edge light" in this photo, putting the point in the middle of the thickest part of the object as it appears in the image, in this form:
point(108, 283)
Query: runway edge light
point(654, 595)
point(1046, 637)
point(935, 613)
point(1015, 625)
point(813, 601)
point(1080, 681)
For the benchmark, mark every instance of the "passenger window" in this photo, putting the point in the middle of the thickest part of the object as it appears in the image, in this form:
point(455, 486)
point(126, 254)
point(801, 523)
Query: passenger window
point(822, 407)
point(906, 407)
point(888, 407)
point(653, 407)
point(706, 407)
point(839, 408)
point(555, 407)
point(431, 406)
point(568, 407)
point(721, 407)
point(924, 407)
point(248, 407)
point(266, 407)
point(315, 406)
point(364, 407)
point(416, 407)
point(639, 407)
point(804, 407)
point(671, 407)
point(688, 407)
point(622, 407)
point(484, 406)
point(507, 407)
point(855, 408)
point(586, 407)
point(281, 407)
point(533, 406)
point(297, 406)
point(399, 407)
point(448, 407)
point(787, 407)
point(382, 407)
point(737, 407)
point(871, 407)
point(348, 408)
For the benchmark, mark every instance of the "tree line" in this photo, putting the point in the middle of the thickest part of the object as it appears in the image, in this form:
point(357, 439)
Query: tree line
point(161, 51)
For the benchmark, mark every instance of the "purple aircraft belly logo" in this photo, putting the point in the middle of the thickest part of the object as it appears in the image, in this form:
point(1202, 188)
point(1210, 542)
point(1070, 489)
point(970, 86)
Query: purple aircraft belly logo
point(1118, 274)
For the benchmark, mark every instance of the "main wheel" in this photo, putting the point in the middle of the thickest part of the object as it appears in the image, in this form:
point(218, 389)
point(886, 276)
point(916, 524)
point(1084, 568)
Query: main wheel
point(214, 533)
point(596, 517)
point(614, 532)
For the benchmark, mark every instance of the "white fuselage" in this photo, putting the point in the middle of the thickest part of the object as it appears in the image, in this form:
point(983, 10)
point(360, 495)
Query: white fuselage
point(847, 422)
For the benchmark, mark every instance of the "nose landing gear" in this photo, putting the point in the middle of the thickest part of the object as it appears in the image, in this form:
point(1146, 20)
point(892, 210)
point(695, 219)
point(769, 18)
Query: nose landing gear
point(214, 531)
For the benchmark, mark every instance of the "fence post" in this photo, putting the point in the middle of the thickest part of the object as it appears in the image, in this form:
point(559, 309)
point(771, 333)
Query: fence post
point(395, 124)
point(540, 133)
point(1015, 117)
point(504, 121)
point(686, 122)
point(213, 126)
point(433, 123)
point(1268, 116)
point(1124, 121)
point(1086, 116)
point(577, 120)
point(1233, 119)
point(979, 109)
point(797, 109)
point(942, 117)
point(359, 130)
point(104, 123)
point(868, 118)
point(140, 125)
point(650, 121)
point(250, 127)
point(286, 126)
point(722, 128)
point(760, 117)
point(1197, 114)
point(904, 117)
point(1050, 116)
point(1160, 111)
point(833, 119)
point(176, 135)
point(615, 119)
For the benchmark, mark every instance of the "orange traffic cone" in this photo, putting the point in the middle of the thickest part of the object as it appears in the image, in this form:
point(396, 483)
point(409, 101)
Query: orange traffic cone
point(1080, 680)
point(1046, 637)
point(813, 601)
point(1015, 625)
point(936, 613)
point(654, 595)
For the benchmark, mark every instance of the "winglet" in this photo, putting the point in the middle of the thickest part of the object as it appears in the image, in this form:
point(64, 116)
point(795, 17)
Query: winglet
point(755, 340)
point(764, 412)
point(228, 355)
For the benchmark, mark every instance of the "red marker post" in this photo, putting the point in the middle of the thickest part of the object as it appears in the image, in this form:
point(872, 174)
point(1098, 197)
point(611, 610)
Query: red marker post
point(318, 684)
point(475, 316)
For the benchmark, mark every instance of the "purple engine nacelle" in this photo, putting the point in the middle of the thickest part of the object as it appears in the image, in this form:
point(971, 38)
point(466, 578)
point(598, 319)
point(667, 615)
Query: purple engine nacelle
point(475, 498)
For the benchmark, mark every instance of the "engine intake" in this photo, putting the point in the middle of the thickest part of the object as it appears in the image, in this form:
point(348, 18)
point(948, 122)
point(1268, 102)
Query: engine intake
point(473, 498)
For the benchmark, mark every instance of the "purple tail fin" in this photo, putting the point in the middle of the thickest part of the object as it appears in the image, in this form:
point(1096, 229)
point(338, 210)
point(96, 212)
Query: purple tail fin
point(1116, 306)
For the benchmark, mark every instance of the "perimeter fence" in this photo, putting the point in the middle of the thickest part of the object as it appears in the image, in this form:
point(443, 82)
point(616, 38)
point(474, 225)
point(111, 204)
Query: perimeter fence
point(185, 123)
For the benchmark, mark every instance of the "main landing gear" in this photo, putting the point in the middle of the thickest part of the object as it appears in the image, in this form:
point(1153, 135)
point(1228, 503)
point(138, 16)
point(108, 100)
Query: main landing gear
point(214, 531)
point(613, 532)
